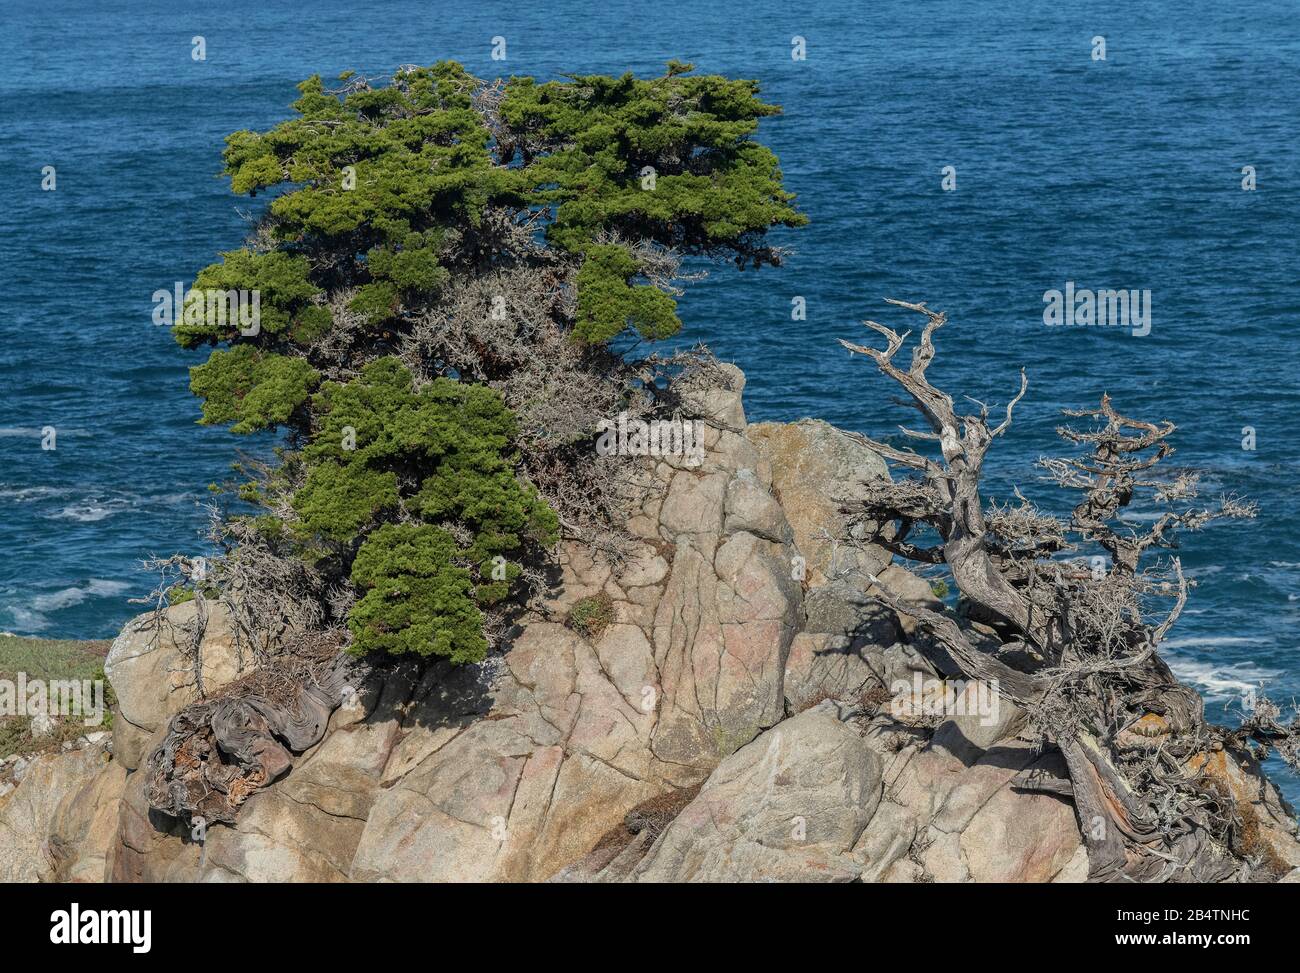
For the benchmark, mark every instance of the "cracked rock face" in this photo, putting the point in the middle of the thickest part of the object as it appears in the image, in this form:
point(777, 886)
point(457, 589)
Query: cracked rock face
point(950, 817)
point(516, 768)
point(730, 720)
point(788, 807)
point(580, 730)
point(58, 824)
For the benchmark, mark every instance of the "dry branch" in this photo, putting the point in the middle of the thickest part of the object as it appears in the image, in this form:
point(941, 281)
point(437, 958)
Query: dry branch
point(1142, 814)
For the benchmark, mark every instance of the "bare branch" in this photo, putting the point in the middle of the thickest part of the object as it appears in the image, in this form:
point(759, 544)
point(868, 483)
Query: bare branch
point(1099, 691)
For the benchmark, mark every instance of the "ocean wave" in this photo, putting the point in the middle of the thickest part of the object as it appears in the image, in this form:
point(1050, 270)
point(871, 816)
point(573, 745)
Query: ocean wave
point(67, 597)
point(100, 506)
point(92, 510)
point(26, 620)
point(27, 494)
point(1208, 641)
point(1218, 683)
point(34, 615)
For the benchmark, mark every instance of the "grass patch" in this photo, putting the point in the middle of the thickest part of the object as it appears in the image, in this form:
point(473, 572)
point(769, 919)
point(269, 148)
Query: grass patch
point(591, 616)
point(50, 660)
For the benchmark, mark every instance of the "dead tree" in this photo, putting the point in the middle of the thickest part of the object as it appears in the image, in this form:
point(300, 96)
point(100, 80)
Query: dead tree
point(1077, 597)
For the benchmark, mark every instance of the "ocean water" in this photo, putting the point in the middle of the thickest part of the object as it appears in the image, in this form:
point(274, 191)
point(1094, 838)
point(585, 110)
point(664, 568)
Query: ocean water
point(1122, 173)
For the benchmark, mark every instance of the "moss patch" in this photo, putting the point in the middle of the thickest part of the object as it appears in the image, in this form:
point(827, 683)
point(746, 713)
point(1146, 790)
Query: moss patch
point(591, 616)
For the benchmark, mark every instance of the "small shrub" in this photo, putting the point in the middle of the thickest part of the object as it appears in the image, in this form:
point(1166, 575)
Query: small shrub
point(591, 616)
point(874, 696)
point(15, 735)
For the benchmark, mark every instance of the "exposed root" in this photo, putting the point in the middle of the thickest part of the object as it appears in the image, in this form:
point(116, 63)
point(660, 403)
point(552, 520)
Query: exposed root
point(220, 750)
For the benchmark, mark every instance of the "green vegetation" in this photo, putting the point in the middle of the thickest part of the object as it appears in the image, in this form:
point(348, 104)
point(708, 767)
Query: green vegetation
point(250, 389)
point(403, 478)
point(50, 660)
point(590, 616)
point(607, 302)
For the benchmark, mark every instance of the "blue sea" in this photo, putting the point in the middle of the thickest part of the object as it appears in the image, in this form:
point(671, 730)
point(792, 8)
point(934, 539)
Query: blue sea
point(1121, 173)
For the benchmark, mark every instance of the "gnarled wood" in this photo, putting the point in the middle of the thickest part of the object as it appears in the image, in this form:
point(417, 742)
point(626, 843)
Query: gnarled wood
point(220, 750)
point(1142, 816)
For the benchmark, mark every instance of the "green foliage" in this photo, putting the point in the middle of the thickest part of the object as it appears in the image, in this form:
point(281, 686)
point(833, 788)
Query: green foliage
point(383, 196)
point(251, 389)
point(375, 301)
point(280, 279)
point(310, 324)
point(608, 302)
point(415, 156)
point(337, 501)
point(418, 599)
point(451, 437)
point(450, 442)
point(590, 616)
point(715, 191)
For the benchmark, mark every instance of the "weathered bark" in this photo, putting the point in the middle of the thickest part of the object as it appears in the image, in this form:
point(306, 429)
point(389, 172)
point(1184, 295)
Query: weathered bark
point(220, 750)
point(1102, 671)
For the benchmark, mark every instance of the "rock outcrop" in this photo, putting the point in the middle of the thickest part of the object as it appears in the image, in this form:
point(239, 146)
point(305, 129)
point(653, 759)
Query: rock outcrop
point(60, 822)
point(521, 773)
point(788, 807)
point(155, 670)
point(745, 710)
